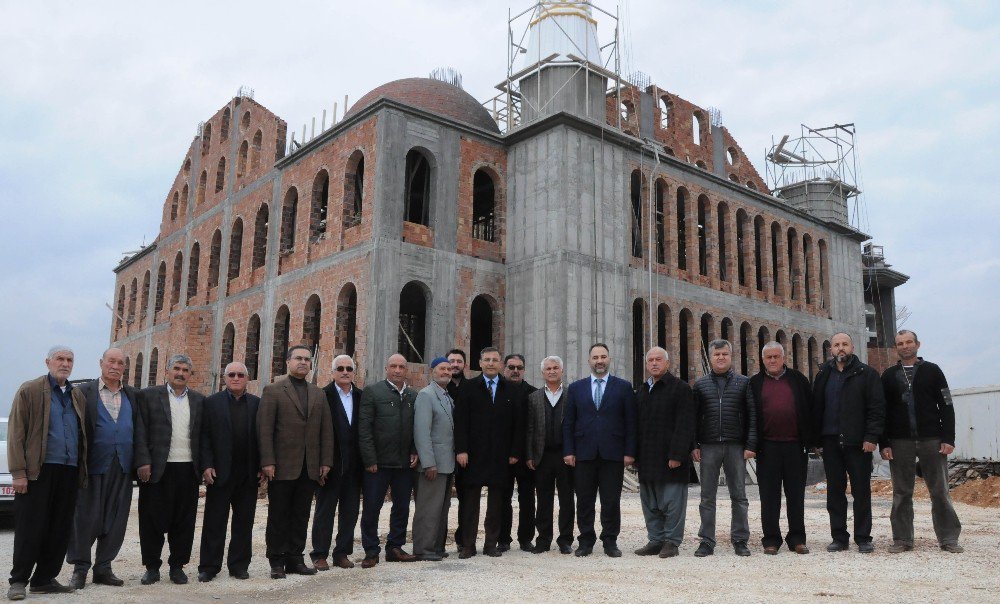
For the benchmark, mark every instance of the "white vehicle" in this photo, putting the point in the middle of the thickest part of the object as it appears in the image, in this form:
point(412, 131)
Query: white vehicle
point(6, 482)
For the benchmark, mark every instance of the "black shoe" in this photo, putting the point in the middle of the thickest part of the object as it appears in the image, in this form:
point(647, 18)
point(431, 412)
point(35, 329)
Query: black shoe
point(429, 558)
point(277, 571)
point(52, 587)
point(836, 546)
point(150, 576)
point(541, 548)
point(178, 576)
point(503, 547)
point(583, 550)
point(565, 548)
point(107, 577)
point(242, 575)
point(650, 549)
point(669, 550)
point(866, 548)
point(741, 549)
point(466, 553)
point(704, 550)
point(205, 577)
point(494, 551)
point(612, 551)
point(526, 546)
point(299, 568)
point(79, 579)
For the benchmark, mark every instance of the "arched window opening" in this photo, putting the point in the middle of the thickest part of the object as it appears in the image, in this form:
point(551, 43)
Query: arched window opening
point(137, 374)
point(797, 353)
point(635, 192)
point(220, 175)
point(758, 253)
point(255, 147)
point(319, 210)
point(206, 138)
point(242, 159)
point(161, 288)
point(252, 355)
point(354, 189)
point(662, 325)
point(202, 185)
point(681, 228)
point(133, 298)
point(183, 206)
point(807, 267)
point(282, 325)
point(723, 212)
point(638, 348)
point(154, 367)
point(763, 337)
point(702, 235)
point(245, 121)
point(412, 321)
point(483, 206)
point(775, 256)
point(193, 262)
point(224, 130)
point(228, 342)
point(793, 264)
point(684, 351)
point(175, 206)
point(811, 360)
point(311, 322)
point(826, 350)
point(289, 209)
point(260, 238)
point(726, 329)
point(480, 329)
point(418, 188)
point(707, 324)
point(175, 291)
point(235, 249)
point(781, 338)
point(347, 319)
point(745, 348)
point(824, 275)
point(661, 242)
point(665, 107)
point(741, 247)
point(144, 299)
point(120, 310)
point(214, 259)
point(696, 127)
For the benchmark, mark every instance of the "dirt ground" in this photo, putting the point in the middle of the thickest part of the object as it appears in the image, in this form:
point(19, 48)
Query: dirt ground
point(925, 574)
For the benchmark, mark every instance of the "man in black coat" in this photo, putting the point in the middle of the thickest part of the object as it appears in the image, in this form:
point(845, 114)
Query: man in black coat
point(457, 359)
point(784, 425)
point(343, 489)
point(487, 443)
point(666, 427)
point(513, 370)
point(849, 416)
point(230, 466)
point(166, 456)
point(919, 423)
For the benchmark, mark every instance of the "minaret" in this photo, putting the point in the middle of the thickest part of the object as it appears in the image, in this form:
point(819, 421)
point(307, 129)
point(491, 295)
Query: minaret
point(561, 36)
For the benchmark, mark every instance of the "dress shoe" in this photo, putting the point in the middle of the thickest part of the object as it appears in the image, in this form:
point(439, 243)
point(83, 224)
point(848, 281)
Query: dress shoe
point(52, 587)
point(242, 575)
point(429, 558)
point(396, 554)
point(650, 549)
point(178, 576)
point(540, 548)
point(205, 577)
point(466, 553)
point(953, 548)
point(771, 550)
point(583, 550)
point(341, 562)
point(837, 546)
point(866, 548)
point(493, 551)
point(79, 580)
point(107, 577)
point(565, 548)
point(801, 549)
point(277, 571)
point(443, 554)
point(704, 550)
point(611, 551)
point(741, 549)
point(898, 547)
point(321, 564)
point(299, 568)
point(369, 561)
point(503, 547)
point(16, 591)
point(526, 546)
point(669, 550)
point(150, 576)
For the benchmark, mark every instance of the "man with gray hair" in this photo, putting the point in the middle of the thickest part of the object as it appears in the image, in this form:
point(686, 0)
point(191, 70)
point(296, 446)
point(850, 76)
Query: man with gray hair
point(47, 457)
point(543, 454)
point(726, 438)
point(166, 455)
point(103, 506)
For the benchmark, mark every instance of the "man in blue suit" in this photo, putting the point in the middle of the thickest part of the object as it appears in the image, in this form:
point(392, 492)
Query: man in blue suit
point(599, 433)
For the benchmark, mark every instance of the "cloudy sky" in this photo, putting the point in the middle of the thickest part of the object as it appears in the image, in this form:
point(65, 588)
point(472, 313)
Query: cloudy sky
point(99, 101)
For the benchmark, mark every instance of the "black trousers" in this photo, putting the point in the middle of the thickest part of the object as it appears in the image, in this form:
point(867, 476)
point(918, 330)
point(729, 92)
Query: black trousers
point(343, 493)
point(525, 478)
point(43, 518)
point(288, 505)
point(460, 525)
point(782, 466)
point(168, 507)
point(470, 500)
point(551, 474)
point(841, 463)
point(590, 478)
point(239, 494)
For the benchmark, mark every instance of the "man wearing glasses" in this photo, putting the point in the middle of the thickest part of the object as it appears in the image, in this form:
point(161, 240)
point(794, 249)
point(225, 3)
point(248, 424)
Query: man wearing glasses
point(296, 453)
point(513, 370)
point(343, 490)
point(230, 467)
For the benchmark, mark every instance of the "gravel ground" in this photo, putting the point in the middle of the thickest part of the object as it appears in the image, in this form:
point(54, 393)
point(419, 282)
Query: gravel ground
point(926, 574)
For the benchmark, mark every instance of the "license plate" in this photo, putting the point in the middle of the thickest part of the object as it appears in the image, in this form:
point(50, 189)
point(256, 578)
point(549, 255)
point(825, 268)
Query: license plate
point(7, 491)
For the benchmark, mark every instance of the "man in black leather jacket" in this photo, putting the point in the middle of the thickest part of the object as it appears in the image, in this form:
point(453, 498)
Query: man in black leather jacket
point(726, 438)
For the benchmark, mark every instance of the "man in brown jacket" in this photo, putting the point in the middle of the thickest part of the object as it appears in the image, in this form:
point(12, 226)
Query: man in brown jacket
point(296, 452)
point(47, 455)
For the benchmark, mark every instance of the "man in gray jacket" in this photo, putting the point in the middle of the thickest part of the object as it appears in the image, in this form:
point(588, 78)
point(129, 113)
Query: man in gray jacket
point(434, 437)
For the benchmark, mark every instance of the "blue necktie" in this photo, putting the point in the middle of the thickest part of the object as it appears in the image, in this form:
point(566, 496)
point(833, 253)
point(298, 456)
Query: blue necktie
point(493, 392)
point(599, 392)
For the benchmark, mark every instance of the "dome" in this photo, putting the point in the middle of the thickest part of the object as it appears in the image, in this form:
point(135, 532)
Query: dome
point(432, 96)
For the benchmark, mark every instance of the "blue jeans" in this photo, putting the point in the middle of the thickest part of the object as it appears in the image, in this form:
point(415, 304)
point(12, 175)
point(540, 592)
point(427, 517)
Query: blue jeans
point(373, 490)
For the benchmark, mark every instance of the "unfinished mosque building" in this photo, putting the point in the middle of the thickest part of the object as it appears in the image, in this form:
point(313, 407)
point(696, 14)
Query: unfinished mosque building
point(576, 207)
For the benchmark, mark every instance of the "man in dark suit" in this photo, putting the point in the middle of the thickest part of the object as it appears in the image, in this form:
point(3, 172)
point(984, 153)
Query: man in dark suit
point(102, 507)
point(230, 466)
point(599, 441)
point(343, 489)
point(487, 443)
point(457, 360)
point(166, 455)
point(513, 370)
point(296, 452)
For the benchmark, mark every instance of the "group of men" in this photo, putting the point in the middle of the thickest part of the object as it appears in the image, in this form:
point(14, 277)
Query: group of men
point(73, 452)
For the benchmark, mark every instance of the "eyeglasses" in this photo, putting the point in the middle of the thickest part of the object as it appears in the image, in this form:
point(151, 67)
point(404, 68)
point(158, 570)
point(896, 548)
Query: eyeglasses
point(514, 368)
point(235, 374)
point(347, 369)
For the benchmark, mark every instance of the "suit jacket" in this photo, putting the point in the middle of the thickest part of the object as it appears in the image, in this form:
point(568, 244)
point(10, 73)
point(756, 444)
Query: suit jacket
point(487, 430)
point(91, 393)
point(535, 429)
point(346, 454)
point(217, 436)
point(289, 436)
point(607, 433)
point(434, 430)
point(151, 440)
point(28, 429)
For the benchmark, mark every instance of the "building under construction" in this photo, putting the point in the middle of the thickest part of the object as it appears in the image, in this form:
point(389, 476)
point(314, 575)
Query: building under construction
point(579, 205)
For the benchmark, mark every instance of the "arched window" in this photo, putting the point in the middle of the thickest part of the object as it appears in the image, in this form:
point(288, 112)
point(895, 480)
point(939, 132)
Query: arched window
point(161, 288)
point(354, 189)
point(826, 350)
point(662, 325)
point(319, 209)
point(245, 121)
point(137, 375)
point(182, 208)
point(483, 206)
point(703, 218)
point(228, 344)
point(202, 184)
point(763, 337)
point(707, 335)
point(154, 367)
point(781, 338)
point(723, 220)
point(193, 262)
point(811, 359)
point(175, 206)
point(133, 297)
point(635, 194)
point(242, 158)
point(824, 275)
point(186, 170)
point(252, 355)
point(638, 333)
point(682, 228)
point(418, 188)
point(120, 310)
point(220, 175)
point(206, 138)
point(255, 148)
point(665, 107)
point(282, 325)
point(807, 252)
point(685, 338)
point(214, 259)
point(480, 329)
point(758, 251)
point(347, 319)
point(224, 130)
point(175, 290)
point(144, 300)
point(288, 211)
point(235, 250)
point(776, 257)
point(311, 322)
point(741, 246)
point(726, 329)
point(793, 264)
point(661, 241)
point(697, 127)
point(260, 238)
point(797, 360)
point(745, 348)
point(413, 303)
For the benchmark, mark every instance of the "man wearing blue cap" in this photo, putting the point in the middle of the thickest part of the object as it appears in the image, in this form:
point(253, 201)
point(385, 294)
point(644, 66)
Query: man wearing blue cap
point(434, 438)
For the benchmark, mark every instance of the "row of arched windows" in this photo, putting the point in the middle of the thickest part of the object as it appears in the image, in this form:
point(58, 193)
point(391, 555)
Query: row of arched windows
point(248, 152)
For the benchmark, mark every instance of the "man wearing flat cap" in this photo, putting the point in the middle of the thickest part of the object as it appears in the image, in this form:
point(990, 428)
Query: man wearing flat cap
point(434, 438)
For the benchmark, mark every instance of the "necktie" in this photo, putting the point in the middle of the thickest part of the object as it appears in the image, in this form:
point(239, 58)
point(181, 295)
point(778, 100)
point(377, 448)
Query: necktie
point(493, 392)
point(599, 392)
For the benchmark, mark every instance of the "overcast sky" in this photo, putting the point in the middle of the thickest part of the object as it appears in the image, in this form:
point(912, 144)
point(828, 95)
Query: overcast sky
point(99, 102)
